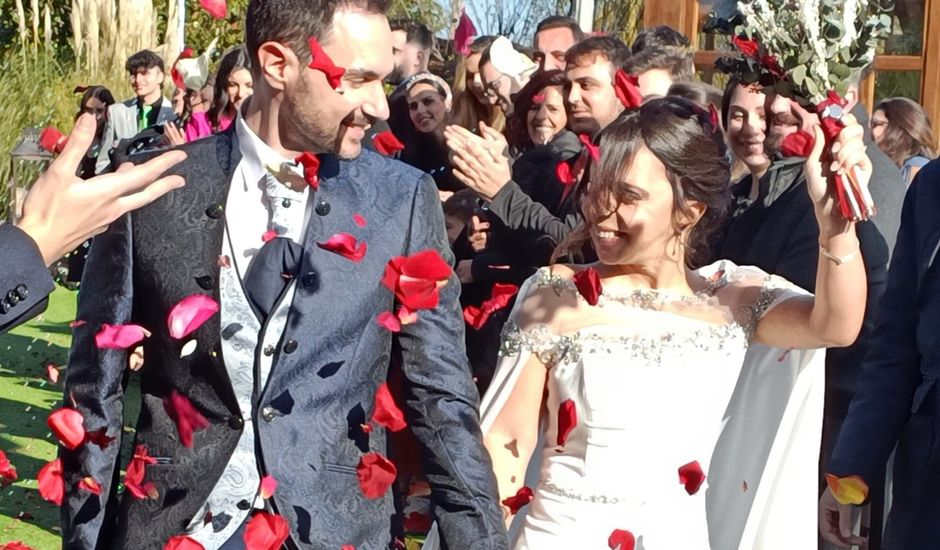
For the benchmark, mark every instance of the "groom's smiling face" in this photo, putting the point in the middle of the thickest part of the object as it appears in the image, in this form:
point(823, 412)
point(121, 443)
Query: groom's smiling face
point(328, 120)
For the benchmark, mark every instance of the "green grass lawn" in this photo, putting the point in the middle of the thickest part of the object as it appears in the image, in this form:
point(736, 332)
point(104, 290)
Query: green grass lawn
point(26, 399)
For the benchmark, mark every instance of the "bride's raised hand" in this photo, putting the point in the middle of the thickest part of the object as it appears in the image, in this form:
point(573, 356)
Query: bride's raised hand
point(848, 159)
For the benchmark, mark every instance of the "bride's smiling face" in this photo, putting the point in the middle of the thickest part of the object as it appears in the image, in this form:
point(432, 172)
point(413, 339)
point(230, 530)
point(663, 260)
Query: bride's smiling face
point(636, 227)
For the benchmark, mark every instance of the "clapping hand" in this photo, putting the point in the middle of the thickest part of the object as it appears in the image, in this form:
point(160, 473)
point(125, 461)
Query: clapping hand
point(479, 161)
point(62, 211)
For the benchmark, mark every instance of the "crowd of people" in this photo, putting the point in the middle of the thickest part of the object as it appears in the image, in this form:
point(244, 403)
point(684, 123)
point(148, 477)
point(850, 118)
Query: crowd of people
point(676, 337)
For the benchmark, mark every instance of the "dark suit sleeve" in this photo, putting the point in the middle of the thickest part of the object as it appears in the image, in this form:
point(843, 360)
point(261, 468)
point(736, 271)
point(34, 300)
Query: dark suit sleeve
point(445, 401)
point(94, 382)
point(891, 371)
point(518, 211)
point(25, 283)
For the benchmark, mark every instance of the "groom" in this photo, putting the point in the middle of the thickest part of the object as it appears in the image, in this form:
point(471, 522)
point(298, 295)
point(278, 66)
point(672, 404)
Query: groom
point(286, 373)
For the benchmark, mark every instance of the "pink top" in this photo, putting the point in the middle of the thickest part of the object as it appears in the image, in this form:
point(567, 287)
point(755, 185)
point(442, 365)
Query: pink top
point(199, 127)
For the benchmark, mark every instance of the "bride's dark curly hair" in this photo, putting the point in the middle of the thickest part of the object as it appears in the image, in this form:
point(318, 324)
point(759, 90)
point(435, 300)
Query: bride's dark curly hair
point(684, 138)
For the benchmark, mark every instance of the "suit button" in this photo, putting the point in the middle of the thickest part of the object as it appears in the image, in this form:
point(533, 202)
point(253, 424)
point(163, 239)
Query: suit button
point(267, 413)
point(214, 211)
point(309, 279)
point(22, 291)
point(323, 208)
point(205, 282)
point(285, 203)
point(290, 346)
point(269, 350)
point(13, 298)
point(243, 505)
point(236, 422)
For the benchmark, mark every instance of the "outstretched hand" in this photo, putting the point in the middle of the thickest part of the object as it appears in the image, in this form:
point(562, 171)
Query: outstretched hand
point(62, 210)
point(479, 161)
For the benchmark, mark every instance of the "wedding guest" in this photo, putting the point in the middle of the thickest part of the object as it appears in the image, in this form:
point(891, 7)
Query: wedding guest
point(553, 36)
point(592, 104)
point(505, 71)
point(190, 75)
point(147, 108)
point(661, 56)
point(901, 129)
point(702, 93)
point(471, 104)
point(539, 112)
point(96, 100)
point(429, 104)
point(895, 407)
point(412, 43)
point(233, 85)
point(62, 211)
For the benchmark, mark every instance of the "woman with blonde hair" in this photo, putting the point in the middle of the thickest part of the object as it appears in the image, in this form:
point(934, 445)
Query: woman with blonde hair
point(471, 104)
point(901, 129)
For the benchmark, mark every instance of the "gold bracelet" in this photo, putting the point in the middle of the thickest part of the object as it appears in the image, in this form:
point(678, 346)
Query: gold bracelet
point(838, 260)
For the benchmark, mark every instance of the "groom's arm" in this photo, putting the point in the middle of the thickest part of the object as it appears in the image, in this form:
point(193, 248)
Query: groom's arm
point(445, 400)
point(93, 385)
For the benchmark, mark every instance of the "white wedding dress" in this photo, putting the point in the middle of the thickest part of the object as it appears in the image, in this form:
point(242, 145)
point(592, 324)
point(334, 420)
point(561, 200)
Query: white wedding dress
point(659, 381)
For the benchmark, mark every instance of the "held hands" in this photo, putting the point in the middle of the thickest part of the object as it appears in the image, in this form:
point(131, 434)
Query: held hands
point(61, 210)
point(479, 161)
point(835, 522)
point(848, 158)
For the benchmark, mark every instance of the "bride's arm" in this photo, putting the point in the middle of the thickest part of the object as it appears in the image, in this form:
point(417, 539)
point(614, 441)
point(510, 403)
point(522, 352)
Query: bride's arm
point(513, 436)
point(834, 317)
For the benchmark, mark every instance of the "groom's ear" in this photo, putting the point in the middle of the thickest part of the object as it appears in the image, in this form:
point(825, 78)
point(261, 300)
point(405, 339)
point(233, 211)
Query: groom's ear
point(277, 65)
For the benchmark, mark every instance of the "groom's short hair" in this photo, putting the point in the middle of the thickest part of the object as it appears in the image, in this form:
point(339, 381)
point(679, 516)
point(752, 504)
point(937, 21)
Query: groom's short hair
point(293, 22)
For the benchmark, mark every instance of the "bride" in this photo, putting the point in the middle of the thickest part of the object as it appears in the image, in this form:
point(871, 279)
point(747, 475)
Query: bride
point(617, 379)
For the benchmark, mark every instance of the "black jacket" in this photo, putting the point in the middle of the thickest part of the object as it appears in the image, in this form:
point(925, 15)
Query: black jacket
point(25, 283)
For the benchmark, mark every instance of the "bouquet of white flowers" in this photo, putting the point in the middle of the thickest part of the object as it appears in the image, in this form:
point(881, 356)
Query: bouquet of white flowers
point(811, 50)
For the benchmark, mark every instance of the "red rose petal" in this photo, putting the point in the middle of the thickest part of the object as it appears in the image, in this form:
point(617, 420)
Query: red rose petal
point(52, 140)
point(268, 235)
point(464, 34)
point(692, 476)
point(189, 314)
point(16, 545)
point(387, 144)
point(136, 470)
point(386, 412)
point(748, 47)
point(186, 417)
point(416, 279)
point(798, 144)
point(52, 373)
point(567, 420)
point(68, 425)
point(7, 470)
point(406, 316)
point(182, 542)
point(538, 99)
point(592, 149)
point(120, 336)
point(627, 88)
point(268, 486)
point(216, 8)
point(522, 497)
point(51, 482)
point(266, 531)
point(345, 245)
point(563, 173)
point(224, 261)
point(376, 474)
point(389, 321)
point(417, 523)
point(89, 484)
point(347, 547)
point(621, 539)
point(311, 164)
point(359, 220)
point(588, 283)
point(366, 428)
point(500, 297)
point(99, 437)
point(320, 61)
point(77, 323)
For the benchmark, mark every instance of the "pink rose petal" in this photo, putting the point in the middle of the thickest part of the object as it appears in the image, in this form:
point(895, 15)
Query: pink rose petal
point(120, 336)
point(189, 314)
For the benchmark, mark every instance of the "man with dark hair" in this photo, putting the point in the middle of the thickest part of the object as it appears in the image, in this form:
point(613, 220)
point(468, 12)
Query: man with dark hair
point(661, 57)
point(272, 354)
point(504, 71)
point(412, 43)
point(592, 65)
point(553, 36)
point(147, 108)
